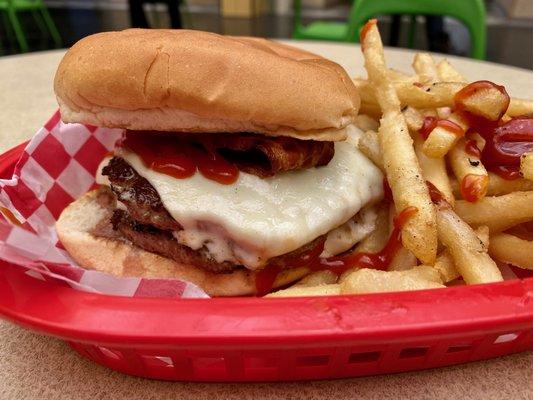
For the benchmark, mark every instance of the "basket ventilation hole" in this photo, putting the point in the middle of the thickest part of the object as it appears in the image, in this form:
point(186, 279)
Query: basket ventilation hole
point(312, 361)
point(113, 354)
point(260, 362)
point(209, 363)
point(357, 358)
point(508, 337)
point(459, 347)
point(414, 352)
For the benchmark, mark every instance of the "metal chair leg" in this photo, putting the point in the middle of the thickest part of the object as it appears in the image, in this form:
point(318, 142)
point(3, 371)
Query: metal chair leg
point(19, 32)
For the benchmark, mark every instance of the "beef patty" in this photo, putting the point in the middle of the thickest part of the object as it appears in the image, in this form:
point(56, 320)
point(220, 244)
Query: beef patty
point(163, 243)
point(138, 195)
point(148, 225)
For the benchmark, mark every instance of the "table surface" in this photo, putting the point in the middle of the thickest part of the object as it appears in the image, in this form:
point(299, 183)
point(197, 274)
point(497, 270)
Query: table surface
point(34, 366)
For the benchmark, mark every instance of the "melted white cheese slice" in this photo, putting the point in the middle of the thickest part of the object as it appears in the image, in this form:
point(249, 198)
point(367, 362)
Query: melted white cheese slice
point(256, 219)
point(348, 234)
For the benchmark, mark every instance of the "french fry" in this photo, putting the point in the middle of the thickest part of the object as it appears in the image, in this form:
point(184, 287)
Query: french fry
point(435, 95)
point(448, 73)
point(498, 186)
point(318, 278)
point(408, 187)
point(468, 252)
point(483, 234)
point(402, 260)
point(445, 135)
point(401, 166)
point(371, 109)
point(366, 123)
point(376, 240)
point(398, 76)
point(498, 213)
point(489, 103)
point(512, 249)
point(519, 107)
point(469, 171)
point(480, 141)
point(444, 112)
point(413, 118)
point(425, 272)
point(369, 146)
point(444, 263)
point(374, 281)
point(446, 267)
point(379, 236)
point(304, 291)
point(433, 169)
point(345, 274)
point(424, 66)
point(526, 166)
point(438, 94)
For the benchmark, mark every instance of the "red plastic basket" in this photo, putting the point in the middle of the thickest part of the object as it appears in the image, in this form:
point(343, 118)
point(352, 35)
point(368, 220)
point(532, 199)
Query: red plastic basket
point(251, 339)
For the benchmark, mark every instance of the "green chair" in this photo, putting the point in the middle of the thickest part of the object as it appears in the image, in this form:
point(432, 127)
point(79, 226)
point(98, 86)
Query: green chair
point(318, 30)
point(10, 9)
point(470, 12)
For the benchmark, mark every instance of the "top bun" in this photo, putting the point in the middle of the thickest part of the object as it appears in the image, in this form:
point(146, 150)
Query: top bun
point(192, 81)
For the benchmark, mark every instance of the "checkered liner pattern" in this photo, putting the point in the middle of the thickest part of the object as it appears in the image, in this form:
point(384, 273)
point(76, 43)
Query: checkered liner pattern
point(58, 166)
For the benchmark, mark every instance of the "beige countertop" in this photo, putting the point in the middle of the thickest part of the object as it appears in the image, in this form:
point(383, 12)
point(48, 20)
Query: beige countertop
point(34, 366)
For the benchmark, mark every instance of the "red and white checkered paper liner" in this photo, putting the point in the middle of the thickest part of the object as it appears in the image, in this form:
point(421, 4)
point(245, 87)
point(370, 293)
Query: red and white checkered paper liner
point(58, 166)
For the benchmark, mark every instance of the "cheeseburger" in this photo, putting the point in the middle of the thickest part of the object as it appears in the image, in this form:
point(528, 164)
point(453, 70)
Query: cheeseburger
point(237, 168)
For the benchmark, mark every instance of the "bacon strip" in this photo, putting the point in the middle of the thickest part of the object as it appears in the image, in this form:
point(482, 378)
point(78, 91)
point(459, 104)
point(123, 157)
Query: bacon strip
point(266, 156)
point(252, 153)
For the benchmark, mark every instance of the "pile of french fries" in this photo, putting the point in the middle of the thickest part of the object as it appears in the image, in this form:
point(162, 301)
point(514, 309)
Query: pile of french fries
point(454, 241)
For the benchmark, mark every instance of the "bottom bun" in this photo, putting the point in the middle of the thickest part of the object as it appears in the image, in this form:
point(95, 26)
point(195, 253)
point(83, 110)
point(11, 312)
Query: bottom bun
point(121, 258)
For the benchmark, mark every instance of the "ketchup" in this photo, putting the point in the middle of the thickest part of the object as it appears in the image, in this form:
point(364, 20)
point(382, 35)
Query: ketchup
point(428, 125)
point(265, 278)
point(431, 123)
point(474, 187)
point(469, 90)
point(366, 29)
point(435, 194)
point(180, 158)
point(451, 127)
point(509, 172)
point(472, 149)
point(380, 260)
point(339, 264)
point(505, 142)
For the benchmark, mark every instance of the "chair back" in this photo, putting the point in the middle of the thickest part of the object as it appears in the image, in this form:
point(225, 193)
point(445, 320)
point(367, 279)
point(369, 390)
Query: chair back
point(471, 13)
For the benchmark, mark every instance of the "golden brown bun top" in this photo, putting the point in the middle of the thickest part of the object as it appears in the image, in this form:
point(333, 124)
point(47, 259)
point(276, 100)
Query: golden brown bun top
point(230, 81)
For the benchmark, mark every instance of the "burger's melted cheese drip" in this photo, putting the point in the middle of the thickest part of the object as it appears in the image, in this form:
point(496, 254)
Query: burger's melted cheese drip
point(256, 219)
